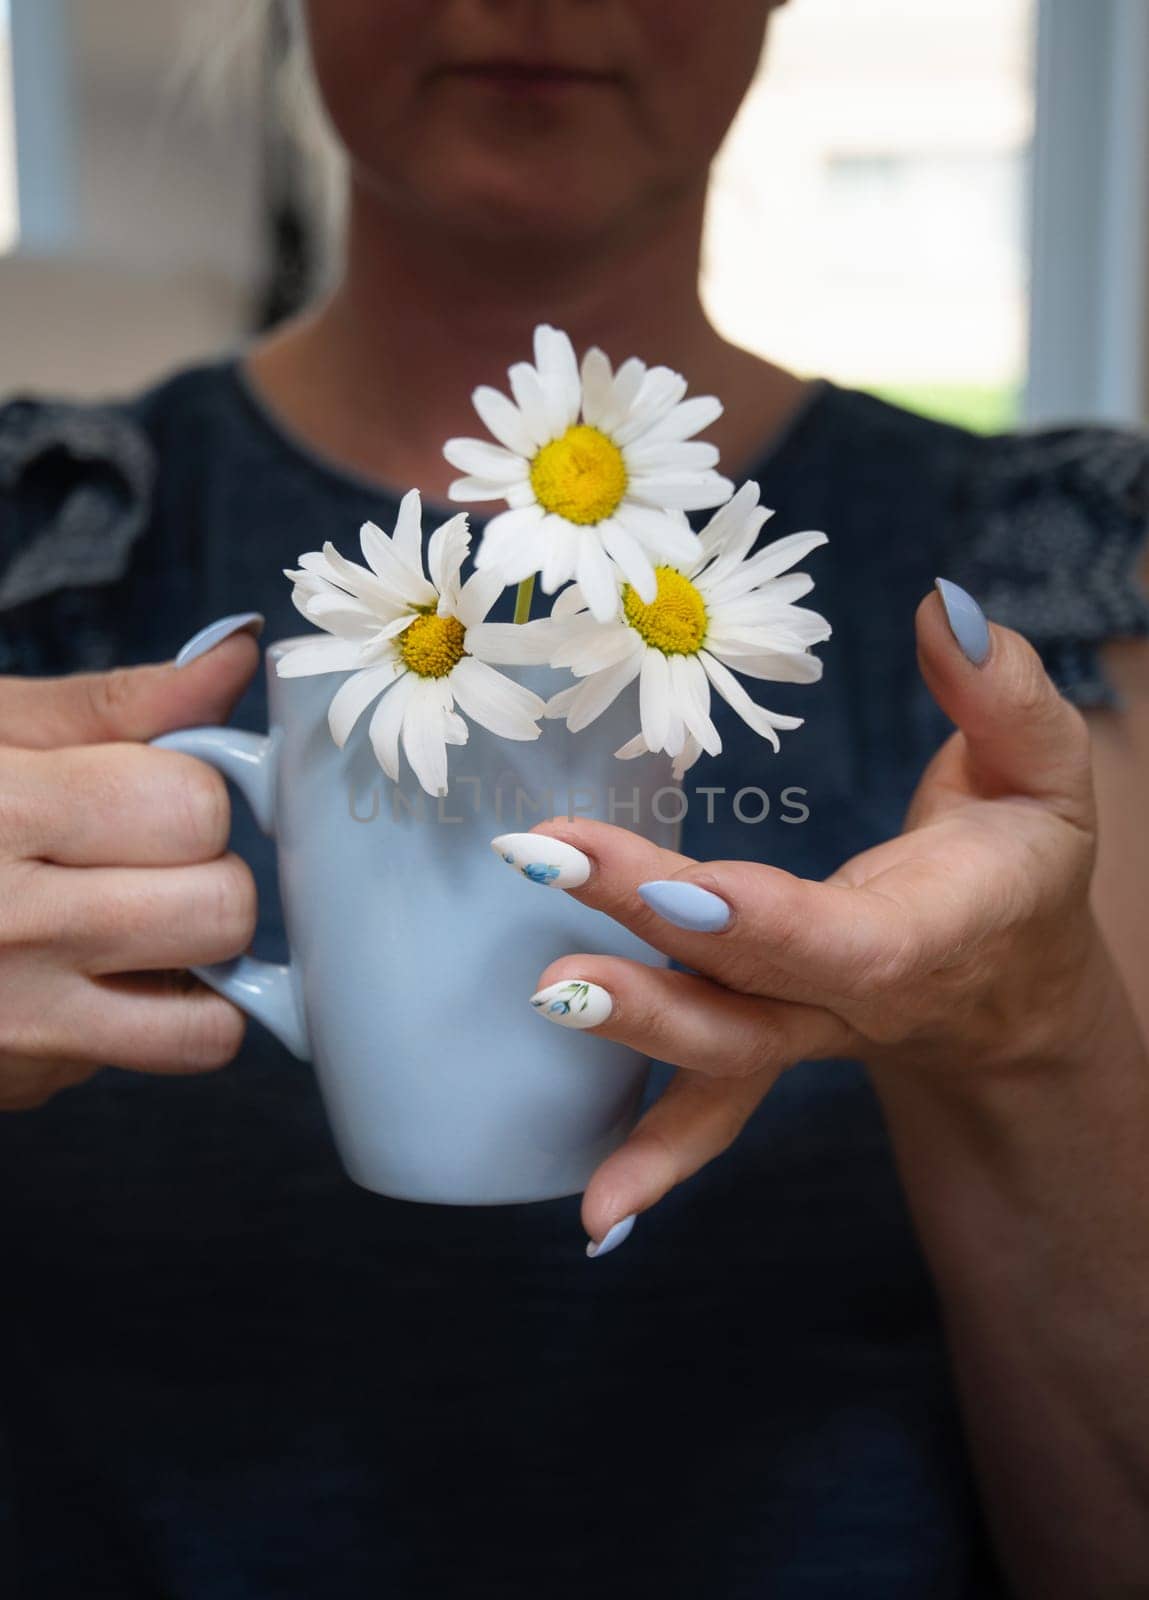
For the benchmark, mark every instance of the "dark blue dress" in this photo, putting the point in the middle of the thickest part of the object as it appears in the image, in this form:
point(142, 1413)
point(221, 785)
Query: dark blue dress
point(226, 1373)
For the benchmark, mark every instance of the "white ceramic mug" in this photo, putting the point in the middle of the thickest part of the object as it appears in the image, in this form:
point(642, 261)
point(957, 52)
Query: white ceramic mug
point(414, 950)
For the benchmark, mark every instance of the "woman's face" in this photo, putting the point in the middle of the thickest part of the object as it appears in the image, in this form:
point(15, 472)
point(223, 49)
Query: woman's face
point(541, 118)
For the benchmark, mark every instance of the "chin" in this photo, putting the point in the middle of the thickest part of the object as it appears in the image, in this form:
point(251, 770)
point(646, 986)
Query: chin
point(495, 201)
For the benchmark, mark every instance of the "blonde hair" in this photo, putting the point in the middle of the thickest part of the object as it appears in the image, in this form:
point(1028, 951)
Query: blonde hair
point(227, 51)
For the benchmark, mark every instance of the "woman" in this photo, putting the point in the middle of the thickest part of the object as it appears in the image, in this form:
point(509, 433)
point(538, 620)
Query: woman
point(231, 1373)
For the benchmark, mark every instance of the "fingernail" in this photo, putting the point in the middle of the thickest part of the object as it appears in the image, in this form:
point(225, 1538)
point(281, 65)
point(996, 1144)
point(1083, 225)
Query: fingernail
point(542, 859)
point(216, 632)
point(619, 1234)
point(574, 1003)
point(686, 905)
point(966, 619)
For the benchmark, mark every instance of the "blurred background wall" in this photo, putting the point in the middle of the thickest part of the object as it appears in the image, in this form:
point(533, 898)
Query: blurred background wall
point(945, 202)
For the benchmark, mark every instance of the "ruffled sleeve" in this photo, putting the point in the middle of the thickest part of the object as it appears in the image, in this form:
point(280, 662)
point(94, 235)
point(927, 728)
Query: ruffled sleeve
point(1051, 531)
point(75, 495)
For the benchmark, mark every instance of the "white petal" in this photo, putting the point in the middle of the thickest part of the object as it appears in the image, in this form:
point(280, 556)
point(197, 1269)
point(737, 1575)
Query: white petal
point(597, 578)
point(408, 538)
point(495, 701)
point(512, 644)
point(655, 459)
point(447, 552)
point(559, 545)
point(466, 490)
point(630, 558)
point(527, 388)
point(406, 580)
point(691, 691)
point(692, 491)
point(660, 392)
point(666, 534)
point(318, 655)
point(425, 734)
point(587, 650)
point(755, 716)
point(632, 748)
point(771, 628)
point(596, 385)
point(363, 584)
point(340, 613)
point(514, 553)
point(690, 753)
point(777, 591)
point(781, 554)
point(386, 721)
point(560, 704)
point(775, 666)
point(477, 596)
point(485, 460)
point(571, 600)
point(558, 373)
point(690, 417)
point(654, 698)
point(504, 420)
point(594, 694)
point(528, 519)
point(624, 390)
point(382, 645)
point(352, 698)
point(455, 730)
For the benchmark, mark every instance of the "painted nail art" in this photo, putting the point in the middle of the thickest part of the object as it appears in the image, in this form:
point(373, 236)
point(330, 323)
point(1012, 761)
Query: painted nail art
point(619, 1234)
point(542, 859)
point(966, 619)
point(686, 905)
point(573, 1003)
point(216, 632)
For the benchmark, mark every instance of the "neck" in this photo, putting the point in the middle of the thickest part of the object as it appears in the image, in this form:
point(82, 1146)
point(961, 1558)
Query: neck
point(381, 373)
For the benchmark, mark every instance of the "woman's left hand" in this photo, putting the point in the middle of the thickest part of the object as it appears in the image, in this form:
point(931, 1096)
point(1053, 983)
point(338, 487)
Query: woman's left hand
point(963, 951)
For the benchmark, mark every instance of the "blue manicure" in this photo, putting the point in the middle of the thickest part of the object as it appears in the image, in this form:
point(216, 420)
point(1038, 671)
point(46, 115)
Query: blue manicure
point(619, 1234)
point(216, 632)
point(686, 905)
point(967, 620)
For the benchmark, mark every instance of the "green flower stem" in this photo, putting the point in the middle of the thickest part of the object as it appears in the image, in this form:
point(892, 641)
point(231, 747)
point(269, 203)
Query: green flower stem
point(523, 599)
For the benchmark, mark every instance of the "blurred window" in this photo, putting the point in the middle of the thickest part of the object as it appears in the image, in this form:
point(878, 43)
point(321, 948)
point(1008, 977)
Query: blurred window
point(869, 216)
point(9, 211)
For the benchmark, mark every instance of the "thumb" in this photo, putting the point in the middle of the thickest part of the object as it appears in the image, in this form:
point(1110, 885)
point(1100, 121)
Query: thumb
point(135, 703)
point(1020, 735)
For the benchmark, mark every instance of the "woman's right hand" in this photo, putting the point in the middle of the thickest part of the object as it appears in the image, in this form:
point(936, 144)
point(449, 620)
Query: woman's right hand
point(115, 875)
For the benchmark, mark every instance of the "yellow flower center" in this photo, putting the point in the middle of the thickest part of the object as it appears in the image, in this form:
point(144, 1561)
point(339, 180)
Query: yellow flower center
point(432, 645)
point(581, 476)
point(675, 620)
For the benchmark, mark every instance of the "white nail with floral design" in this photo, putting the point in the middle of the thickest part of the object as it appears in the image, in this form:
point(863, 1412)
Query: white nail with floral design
point(573, 1003)
point(542, 859)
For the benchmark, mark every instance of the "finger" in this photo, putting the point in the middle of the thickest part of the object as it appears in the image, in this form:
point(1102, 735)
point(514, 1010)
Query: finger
point(694, 1119)
point(771, 933)
point(143, 919)
point(129, 703)
point(26, 1084)
point(1022, 737)
point(686, 1020)
point(112, 805)
point(145, 1023)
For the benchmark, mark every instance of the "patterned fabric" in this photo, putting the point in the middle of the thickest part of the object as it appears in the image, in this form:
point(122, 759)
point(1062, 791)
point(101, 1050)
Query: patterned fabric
point(226, 1373)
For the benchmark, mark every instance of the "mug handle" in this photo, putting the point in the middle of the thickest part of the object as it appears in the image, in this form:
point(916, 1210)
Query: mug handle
point(265, 990)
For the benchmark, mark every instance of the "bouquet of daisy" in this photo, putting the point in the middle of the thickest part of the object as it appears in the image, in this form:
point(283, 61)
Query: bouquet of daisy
point(598, 469)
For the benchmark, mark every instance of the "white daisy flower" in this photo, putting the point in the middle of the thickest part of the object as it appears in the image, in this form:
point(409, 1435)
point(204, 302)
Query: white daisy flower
point(719, 612)
point(597, 468)
point(419, 642)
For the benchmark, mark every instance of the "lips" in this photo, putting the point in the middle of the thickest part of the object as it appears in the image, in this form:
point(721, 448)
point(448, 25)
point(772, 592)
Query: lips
point(514, 74)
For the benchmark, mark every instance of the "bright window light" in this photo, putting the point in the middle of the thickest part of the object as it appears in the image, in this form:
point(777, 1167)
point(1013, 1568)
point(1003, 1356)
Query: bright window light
point(869, 214)
point(9, 209)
